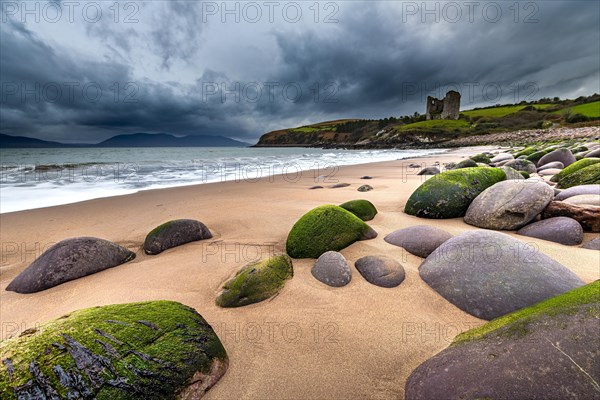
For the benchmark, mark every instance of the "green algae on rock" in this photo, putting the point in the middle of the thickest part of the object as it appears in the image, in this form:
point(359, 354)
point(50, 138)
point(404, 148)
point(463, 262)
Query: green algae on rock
point(256, 282)
point(149, 350)
point(576, 166)
point(448, 195)
point(363, 209)
point(547, 350)
point(481, 158)
point(326, 228)
point(586, 176)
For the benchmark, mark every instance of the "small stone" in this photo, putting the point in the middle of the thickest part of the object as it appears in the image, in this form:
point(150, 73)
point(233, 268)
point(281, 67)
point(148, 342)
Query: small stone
point(593, 244)
point(554, 164)
point(549, 171)
point(502, 157)
point(429, 171)
point(315, 187)
point(339, 185)
point(366, 177)
point(563, 155)
point(175, 233)
point(584, 199)
point(578, 190)
point(365, 188)
point(381, 270)
point(420, 240)
point(587, 216)
point(332, 269)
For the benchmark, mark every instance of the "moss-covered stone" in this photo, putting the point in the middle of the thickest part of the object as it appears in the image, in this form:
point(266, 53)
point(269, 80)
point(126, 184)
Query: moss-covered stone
point(586, 176)
point(535, 157)
point(468, 163)
point(326, 228)
point(525, 174)
point(150, 350)
point(576, 166)
point(363, 209)
point(481, 158)
point(588, 295)
point(256, 282)
point(526, 151)
point(448, 195)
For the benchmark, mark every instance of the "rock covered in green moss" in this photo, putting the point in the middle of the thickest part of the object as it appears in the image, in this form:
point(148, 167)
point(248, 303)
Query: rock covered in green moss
point(175, 233)
point(256, 282)
point(526, 151)
point(522, 165)
point(535, 157)
point(589, 175)
point(363, 209)
point(150, 350)
point(576, 166)
point(448, 195)
point(326, 228)
point(468, 163)
point(67, 260)
point(547, 350)
point(481, 158)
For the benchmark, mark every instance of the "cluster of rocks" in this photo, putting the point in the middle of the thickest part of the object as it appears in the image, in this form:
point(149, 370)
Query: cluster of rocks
point(361, 188)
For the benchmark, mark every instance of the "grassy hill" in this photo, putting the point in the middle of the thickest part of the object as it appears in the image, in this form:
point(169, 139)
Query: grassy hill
point(415, 130)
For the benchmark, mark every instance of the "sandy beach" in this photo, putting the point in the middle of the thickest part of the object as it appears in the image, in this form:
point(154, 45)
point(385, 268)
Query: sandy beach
point(311, 341)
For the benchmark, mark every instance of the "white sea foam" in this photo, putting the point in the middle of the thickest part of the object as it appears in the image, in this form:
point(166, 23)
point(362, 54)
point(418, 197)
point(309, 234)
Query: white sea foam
point(35, 178)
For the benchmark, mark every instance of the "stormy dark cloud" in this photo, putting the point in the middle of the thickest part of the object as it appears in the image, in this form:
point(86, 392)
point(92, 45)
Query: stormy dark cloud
point(90, 70)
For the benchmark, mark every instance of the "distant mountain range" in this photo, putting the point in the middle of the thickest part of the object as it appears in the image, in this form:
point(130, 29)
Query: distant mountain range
point(128, 140)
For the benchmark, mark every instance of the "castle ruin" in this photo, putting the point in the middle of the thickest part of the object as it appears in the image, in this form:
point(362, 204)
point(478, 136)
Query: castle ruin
point(447, 108)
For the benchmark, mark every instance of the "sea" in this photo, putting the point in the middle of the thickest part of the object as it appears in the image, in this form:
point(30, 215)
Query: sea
point(35, 178)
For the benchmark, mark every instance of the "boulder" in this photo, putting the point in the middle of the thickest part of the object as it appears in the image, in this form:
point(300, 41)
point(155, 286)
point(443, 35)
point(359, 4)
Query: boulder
point(522, 165)
point(429, 171)
point(535, 157)
point(586, 176)
point(509, 205)
point(563, 230)
point(563, 155)
point(578, 190)
point(380, 270)
point(481, 158)
point(502, 157)
point(67, 260)
point(584, 199)
point(326, 228)
point(511, 173)
point(526, 151)
point(420, 240)
point(547, 351)
point(576, 166)
point(468, 163)
point(175, 233)
point(553, 164)
point(448, 195)
point(365, 188)
point(593, 244)
point(151, 350)
point(332, 269)
point(488, 274)
point(587, 216)
point(363, 209)
point(256, 282)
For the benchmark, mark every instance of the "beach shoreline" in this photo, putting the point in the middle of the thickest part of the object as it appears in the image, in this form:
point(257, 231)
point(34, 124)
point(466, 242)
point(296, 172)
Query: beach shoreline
point(311, 340)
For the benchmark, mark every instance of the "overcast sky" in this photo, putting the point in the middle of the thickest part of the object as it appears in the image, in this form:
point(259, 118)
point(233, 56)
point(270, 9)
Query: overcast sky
point(84, 71)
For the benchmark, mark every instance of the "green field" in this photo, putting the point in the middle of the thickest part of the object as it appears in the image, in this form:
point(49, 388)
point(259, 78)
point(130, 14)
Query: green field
point(589, 109)
point(445, 124)
point(313, 128)
point(498, 112)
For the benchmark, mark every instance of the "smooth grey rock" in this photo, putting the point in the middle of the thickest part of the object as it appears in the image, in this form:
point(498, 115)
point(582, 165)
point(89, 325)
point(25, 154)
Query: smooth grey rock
point(420, 240)
point(488, 274)
point(563, 155)
point(366, 177)
point(549, 171)
point(578, 190)
point(365, 188)
point(67, 260)
point(175, 233)
point(332, 269)
point(522, 165)
point(380, 270)
point(553, 164)
point(584, 199)
point(502, 157)
point(563, 230)
point(512, 174)
point(315, 187)
point(429, 171)
point(548, 354)
point(593, 244)
point(509, 205)
point(593, 153)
